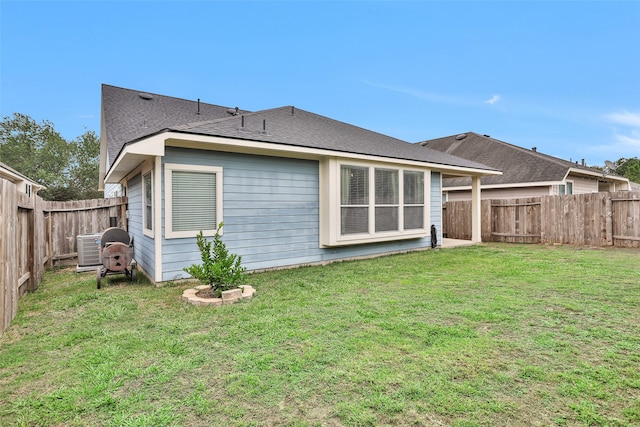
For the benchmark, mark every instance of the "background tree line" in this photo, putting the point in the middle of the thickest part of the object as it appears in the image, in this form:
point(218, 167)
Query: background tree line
point(68, 169)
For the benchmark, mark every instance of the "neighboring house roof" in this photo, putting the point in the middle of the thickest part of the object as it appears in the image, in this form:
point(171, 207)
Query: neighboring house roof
point(14, 176)
point(129, 116)
point(518, 165)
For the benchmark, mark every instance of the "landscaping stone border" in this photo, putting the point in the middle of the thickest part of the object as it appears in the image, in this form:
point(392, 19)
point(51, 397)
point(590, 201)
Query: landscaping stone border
point(228, 297)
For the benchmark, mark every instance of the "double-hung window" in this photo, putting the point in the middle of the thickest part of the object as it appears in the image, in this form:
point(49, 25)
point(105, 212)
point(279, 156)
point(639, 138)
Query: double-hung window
point(354, 200)
point(565, 189)
point(413, 200)
point(377, 203)
point(147, 203)
point(193, 200)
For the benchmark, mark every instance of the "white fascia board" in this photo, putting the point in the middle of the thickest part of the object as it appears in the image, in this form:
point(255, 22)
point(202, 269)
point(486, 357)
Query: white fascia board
point(594, 174)
point(16, 177)
point(133, 154)
point(175, 139)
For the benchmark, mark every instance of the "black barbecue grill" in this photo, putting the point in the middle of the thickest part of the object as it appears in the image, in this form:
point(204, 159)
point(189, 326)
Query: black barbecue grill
point(117, 254)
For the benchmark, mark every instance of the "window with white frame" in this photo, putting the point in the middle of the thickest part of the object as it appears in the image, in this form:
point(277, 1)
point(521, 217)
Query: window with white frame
point(147, 203)
point(193, 200)
point(354, 200)
point(387, 199)
point(380, 203)
point(413, 200)
point(565, 189)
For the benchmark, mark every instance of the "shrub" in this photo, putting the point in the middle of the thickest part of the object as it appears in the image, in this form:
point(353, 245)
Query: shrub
point(220, 269)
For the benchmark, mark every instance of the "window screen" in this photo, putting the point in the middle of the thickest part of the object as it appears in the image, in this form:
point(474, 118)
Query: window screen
point(354, 200)
point(148, 202)
point(387, 199)
point(413, 200)
point(193, 201)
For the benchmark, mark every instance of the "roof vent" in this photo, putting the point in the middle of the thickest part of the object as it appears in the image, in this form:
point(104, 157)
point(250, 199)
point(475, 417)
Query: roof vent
point(233, 111)
point(487, 136)
point(461, 137)
point(146, 96)
point(242, 128)
point(534, 149)
point(264, 128)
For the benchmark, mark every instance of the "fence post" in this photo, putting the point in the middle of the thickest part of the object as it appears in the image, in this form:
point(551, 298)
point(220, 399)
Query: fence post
point(608, 219)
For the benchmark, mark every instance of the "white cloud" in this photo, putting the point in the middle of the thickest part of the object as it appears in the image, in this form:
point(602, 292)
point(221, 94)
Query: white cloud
point(632, 141)
point(492, 100)
point(417, 93)
point(625, 118)
point(622, 145)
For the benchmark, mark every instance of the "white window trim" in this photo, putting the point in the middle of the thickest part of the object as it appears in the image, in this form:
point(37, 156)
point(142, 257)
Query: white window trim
point(330, 233)
point(562, 188)
point(146, 231)
point(168, 209)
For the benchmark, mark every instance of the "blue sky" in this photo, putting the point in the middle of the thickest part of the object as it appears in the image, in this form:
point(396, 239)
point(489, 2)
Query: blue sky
point(561, 76)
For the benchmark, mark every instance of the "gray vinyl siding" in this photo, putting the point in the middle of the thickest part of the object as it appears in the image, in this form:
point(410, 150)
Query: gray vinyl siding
point(143, 246)
point(271, 214)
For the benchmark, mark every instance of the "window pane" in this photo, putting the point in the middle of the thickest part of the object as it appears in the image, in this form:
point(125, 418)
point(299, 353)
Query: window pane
point(413, 188)
point(386, 219)
point(354, 188)
point(193, 201)
point(413, 217)
point(569, 187)
point(148, 203)
point(354, 220)
point(386, 187)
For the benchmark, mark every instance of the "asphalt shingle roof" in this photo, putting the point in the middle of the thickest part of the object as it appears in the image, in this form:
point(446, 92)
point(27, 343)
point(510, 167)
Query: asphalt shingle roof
point(518, 165)
point(129, 117)
point(132, 114)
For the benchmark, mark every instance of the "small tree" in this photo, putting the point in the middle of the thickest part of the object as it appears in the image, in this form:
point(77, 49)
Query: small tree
point(220, 269)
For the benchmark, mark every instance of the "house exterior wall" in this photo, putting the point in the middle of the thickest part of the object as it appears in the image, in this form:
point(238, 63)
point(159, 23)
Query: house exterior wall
point(271, 214)
point(143, 246)
point(112, 190)
point(583, 185)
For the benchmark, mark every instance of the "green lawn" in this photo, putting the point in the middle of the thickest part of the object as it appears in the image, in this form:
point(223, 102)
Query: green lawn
point(491, 335)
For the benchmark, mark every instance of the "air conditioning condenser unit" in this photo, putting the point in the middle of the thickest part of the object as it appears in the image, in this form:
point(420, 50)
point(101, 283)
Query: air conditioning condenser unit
point(89, 255)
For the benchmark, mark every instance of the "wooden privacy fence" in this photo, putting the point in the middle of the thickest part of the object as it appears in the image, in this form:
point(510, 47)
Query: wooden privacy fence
point(595, 219)
point(35, 233)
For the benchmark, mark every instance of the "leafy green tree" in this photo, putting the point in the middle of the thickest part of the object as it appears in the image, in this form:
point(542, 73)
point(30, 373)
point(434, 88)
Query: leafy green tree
point(84, 168)
point(35, 150)
point(69, 170)
point(629, 168)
